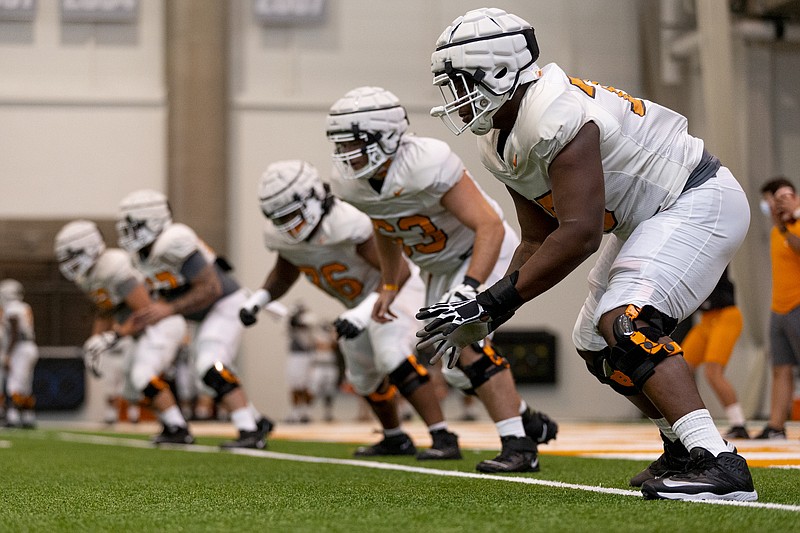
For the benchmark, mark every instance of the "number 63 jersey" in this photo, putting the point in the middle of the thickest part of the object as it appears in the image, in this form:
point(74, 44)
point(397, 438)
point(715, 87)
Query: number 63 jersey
point(647, 153)
point(408, 208)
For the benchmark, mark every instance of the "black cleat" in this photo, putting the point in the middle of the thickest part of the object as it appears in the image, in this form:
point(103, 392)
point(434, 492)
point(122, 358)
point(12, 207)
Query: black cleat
point(770, 433)
point(396, 445)
point(255, 440)
point(737, 432)
point(265, 425)
point(725, 477)
point(538, 426)
point(673, 461)
point(519, 454)
point(445, 446)
point(173, 435)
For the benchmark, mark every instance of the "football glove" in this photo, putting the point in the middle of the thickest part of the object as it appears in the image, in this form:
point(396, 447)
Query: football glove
point(352, 322)
point(95, 346)
point(248, 313)
point(459, 293)
point(454, 325)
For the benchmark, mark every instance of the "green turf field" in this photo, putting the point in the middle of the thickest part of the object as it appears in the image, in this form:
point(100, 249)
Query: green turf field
point(53, 481)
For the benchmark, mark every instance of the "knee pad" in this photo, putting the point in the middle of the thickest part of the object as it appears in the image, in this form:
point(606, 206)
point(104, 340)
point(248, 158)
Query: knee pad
point(409, 376)
point(155, 386)
point(600, 368)
point(638, 350)
point(490, 363)
point(384, 393)
point(221, 379)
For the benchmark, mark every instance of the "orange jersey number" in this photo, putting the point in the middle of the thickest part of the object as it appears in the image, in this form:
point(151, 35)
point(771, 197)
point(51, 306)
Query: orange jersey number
point(347, 288)
point(589, 88)
point(435, 238)
point(546, 202)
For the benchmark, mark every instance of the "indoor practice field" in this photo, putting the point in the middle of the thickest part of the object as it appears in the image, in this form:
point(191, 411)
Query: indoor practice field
point(80, 478)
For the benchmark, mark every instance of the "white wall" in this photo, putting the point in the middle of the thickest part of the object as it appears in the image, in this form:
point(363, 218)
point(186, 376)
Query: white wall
point(83, 116)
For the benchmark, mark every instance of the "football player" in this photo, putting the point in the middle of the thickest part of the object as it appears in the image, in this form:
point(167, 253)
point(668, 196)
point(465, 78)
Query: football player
point(425, 205)
point(21, 354)
point(580, 159)
point(116, 289)
point(330, 242)
point(192, 281)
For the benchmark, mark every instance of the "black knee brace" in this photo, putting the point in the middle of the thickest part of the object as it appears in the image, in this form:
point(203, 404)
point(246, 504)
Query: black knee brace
point(221, 380)
point(409, 376)
point(490, 363)
point(600, 368)
point(155, 386)
point(638, 350)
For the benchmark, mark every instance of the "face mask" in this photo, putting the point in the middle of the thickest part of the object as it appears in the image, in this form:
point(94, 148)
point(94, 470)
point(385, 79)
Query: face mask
point(764, 206)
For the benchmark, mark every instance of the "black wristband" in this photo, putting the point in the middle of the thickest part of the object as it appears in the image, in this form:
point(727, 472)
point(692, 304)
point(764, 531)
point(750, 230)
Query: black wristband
point(472, 282)
point(502, 298)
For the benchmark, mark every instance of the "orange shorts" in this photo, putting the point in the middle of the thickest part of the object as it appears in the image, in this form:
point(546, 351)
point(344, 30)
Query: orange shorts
point(713, 338)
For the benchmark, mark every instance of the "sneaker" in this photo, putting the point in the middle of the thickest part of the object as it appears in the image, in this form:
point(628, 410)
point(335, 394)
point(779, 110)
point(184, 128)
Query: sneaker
point(247, 439)
point(445, 446)
point(673, 461)
point(538, 426)
point(395, 445)
point(771, 433)
point(173, 435)
point(518, 454)
point(737, 432)
point(725, 477)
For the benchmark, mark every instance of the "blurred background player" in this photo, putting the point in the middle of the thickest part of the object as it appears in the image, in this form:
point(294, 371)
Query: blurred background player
point(325, 369)
point(302, 344)
point(116, 289)
point(424, 204)
point(21, 354)
point(710, 343)
point(192, 281)
point(331, 243)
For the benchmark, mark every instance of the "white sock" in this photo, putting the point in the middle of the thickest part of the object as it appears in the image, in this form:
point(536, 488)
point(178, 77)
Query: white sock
point(171, 416)
point(256, 413)
point(735, 414)
point(510, 427)
point(697, 430)
point(393, 432)
point(243, 419)
point(438, 426)
point(665, 428)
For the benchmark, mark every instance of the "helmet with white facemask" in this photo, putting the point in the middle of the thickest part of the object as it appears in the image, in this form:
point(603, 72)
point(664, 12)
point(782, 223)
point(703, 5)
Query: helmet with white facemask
point(293, 197)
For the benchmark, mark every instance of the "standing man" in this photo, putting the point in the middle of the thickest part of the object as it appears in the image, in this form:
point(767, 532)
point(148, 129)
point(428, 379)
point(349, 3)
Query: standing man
point(22, 353)
point(425, 205)
point(580, 159)
point(192, 281)
point(783, 205)
point(330, 242)
point(116, 289)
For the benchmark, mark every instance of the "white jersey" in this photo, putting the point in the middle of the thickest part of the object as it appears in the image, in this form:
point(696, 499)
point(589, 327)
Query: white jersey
point(110, 281)
point(408, 207)
point(23, 314)
point(646, 151)
point(329, 257)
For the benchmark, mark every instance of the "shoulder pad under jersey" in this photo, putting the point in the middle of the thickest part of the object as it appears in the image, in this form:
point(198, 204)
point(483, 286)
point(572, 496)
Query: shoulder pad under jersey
point(175, 244)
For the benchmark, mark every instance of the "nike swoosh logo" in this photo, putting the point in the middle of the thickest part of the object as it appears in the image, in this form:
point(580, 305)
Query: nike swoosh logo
point(672, 483)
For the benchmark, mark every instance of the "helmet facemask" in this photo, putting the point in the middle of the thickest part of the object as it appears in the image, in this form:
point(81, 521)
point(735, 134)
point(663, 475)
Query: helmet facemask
point(77, 247)
point(143, 216)
point(293, 198)
point(459, 91)
point(358, 154)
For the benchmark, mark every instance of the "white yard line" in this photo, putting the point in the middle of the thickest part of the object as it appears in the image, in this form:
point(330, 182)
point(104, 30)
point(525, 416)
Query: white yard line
point(136, 443)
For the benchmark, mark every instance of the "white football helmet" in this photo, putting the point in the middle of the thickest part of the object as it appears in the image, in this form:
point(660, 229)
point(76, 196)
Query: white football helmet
point(365, 125)
point(77, 247)
point(143, 215)
point(480, 61)
point(10, 291)
point(293, 197)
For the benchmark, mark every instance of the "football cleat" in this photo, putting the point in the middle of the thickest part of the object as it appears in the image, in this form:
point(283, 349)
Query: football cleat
point(395, 445)
point(673, 461)
point(771, 433)
point(255, 440)
point(445, 446)
point(737, 432)
point(265, 425)
point(538, 426)
point(518, 454)
point(173, 435)
point(725, 477)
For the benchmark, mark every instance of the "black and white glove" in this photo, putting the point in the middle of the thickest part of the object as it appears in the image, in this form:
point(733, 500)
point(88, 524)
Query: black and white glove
point(352, 322)
point(466, 290)
point(95, 346)
point(455, 325)
point(248, 313)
